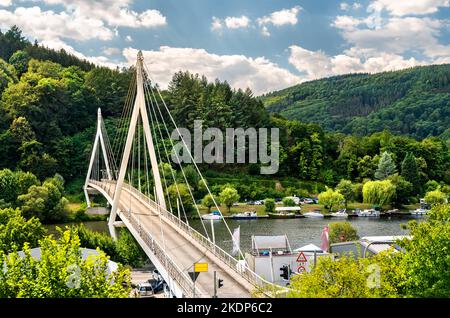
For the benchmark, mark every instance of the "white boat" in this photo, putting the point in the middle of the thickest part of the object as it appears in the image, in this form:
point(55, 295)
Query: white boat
point(419, 212)
point(339, 214)
point(212, 216)
point(245, 215)
point(313, 215)
point(369, 213)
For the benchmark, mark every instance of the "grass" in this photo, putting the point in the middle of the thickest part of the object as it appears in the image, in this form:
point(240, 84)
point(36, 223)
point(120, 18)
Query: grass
point(259, 209)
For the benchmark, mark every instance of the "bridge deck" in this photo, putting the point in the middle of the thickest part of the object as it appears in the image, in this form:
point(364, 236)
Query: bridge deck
point(181, 248)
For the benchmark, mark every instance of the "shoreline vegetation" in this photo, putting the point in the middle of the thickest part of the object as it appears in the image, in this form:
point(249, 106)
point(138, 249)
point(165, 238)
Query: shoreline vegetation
point(48, 102)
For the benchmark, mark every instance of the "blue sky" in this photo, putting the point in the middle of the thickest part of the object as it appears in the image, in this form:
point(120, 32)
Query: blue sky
point(263, 44)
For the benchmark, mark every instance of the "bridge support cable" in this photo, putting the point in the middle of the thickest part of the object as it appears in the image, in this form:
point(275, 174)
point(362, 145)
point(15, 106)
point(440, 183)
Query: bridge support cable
point(158, 152)
point(139, 109)
point(161, 118)
point(154, 122)
point(123, 122)
point(193, 161)
point(152, 107)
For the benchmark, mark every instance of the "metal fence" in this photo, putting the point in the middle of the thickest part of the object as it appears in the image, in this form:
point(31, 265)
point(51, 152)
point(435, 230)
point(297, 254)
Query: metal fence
point(239, 268)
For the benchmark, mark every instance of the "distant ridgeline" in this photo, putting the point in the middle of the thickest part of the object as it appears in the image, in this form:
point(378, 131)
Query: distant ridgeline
point(414, 102)
point(13, 41)
point(49, 99)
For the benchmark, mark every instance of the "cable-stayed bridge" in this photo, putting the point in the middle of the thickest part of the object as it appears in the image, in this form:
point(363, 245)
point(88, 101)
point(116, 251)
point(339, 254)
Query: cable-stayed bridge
point(144, 192)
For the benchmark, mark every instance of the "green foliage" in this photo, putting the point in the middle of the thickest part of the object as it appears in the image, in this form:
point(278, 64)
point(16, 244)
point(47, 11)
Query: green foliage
point(418, 270)
point(8, 185)
point(229, 196)
point(330, 198)
point(45, 202)
point(20, 61)
point(289, 202)
point(269, 205)
point(403, 190)
point(426, 260)
point(61, 272)
point(431, 185)
point(435, 197)
point(346, 188)
point(15, 230)
point(412, 101)
point(181, 193)
point(341, 278)
point(209, 202)
point(378, 192)
point(386, 167)
point(7, 75)
point(342, 232)
point(410, 171)
point(125, 250)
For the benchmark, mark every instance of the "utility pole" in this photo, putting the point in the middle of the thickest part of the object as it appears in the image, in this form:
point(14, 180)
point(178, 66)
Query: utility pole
point(215, 285)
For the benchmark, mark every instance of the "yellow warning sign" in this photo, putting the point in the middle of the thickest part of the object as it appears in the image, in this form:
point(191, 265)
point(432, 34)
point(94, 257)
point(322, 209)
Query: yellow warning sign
point(200, 267)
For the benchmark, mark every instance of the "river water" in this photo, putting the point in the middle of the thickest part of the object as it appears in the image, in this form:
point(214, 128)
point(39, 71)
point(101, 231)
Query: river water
point(300, 231)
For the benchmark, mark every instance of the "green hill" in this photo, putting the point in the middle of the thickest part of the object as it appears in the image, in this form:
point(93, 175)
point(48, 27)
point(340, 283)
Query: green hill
point(414, 102)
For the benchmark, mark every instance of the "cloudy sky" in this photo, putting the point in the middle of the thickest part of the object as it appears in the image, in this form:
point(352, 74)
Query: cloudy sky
point(261, 44)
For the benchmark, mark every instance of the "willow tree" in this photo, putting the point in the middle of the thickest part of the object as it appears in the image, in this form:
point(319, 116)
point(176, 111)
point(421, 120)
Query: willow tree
point(378, 192)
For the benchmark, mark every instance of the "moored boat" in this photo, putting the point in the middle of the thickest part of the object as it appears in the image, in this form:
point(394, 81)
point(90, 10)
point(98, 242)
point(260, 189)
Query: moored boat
point(313, 215)
point(418, 212)
point(281, 215)
point(340, 214)
point(369, 213)
point(249, 215)
point(215, 215)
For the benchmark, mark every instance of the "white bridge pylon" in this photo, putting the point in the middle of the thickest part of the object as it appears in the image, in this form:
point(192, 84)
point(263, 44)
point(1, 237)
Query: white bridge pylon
point(98, 137)
point(139, 109)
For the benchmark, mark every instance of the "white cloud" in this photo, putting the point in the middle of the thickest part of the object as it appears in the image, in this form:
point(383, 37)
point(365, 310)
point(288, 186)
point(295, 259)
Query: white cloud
point(395, 35)
point(216, 24)
point(406, 7)
point(237, 22)
point(240, 71)
point(278, 18)
point(317, 64)
point(5, 3)
point(128, 38)
point(356, 5)
point(282, 17)
point(46, 25)
point(98, 60)
point(346, 22)
point(344, 6)
point(241, 22)
point(111, 51)
point(113, 12)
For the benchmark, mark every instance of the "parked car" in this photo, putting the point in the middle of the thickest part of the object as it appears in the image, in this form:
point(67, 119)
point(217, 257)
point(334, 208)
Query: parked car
point(145, 289)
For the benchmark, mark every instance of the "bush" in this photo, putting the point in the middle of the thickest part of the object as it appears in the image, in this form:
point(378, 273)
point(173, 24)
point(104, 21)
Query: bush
point(342, 232)
point(269, 205)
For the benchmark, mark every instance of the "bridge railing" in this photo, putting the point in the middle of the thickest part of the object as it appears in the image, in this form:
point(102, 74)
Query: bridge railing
point(241, 269)
point(180, 277)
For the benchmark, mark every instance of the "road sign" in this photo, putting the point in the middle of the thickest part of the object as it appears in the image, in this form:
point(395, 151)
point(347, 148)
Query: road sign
point(301, 269)
point(301, 258)
point(200, 267)
point(194, 276)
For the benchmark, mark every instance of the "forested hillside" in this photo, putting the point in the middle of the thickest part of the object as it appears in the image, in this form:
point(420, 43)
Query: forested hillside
point(414, 102)
point(48, 116)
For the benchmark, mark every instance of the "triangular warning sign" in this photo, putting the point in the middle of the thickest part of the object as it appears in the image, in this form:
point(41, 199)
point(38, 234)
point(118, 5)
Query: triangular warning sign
point(301, 258)
point(194, 275)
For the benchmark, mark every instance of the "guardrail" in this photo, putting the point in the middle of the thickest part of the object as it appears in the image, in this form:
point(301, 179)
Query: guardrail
point(241, 269)
point(183, 280)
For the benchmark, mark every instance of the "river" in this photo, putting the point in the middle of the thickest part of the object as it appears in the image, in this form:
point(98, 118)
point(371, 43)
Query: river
point(300, 231)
